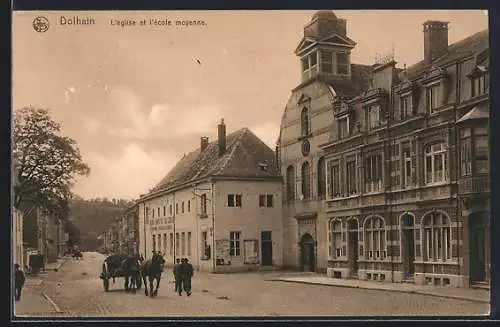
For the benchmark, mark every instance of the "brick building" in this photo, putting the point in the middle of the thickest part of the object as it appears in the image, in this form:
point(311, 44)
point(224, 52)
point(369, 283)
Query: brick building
point(399, 154)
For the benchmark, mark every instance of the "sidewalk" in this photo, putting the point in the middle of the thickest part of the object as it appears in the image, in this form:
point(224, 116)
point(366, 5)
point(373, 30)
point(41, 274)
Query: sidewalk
point(476, 295)
point(33, 303)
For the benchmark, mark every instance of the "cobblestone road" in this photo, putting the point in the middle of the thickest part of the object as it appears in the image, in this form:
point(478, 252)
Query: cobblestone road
point(78, 291)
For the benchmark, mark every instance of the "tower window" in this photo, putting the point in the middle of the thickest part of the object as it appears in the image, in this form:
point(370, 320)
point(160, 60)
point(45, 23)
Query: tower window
point(326, 62)
point(342, 63)
point(304, 122)
point(309, 65)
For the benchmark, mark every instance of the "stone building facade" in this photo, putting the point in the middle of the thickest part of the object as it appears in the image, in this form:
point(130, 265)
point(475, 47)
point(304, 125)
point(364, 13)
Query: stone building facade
point(406, 161)
point(220, 207)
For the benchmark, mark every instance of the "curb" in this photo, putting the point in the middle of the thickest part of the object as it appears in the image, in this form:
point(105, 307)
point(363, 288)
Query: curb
point(454, 297)
point(54, 305)
point(58, 266)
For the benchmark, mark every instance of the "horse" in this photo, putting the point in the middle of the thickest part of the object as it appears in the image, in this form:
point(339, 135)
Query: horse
point(130, 270)
point(152, 269)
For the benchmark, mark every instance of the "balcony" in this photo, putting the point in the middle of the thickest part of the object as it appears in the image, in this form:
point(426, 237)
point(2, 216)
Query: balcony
point(474, 184)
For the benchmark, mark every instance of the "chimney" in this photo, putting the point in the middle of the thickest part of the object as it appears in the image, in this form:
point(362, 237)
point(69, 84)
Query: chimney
point(435, 40)
point(222, 137)
point(203, 143)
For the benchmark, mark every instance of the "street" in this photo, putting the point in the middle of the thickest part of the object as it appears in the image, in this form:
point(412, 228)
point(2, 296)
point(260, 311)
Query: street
point(76, 290)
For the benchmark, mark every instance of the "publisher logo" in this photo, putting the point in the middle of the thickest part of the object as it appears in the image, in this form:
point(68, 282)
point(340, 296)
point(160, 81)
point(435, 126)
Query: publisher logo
point(41, 24)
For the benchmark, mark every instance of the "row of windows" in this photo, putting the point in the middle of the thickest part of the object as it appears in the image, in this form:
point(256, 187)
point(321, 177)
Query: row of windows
point(402, 170)
point(343, 175)
point(306, 180)
point(265, 200)
point(330, 62)
point(435, 245)
point(233, 200)
point(182, 244)
point(182, 209)
point(374, 116)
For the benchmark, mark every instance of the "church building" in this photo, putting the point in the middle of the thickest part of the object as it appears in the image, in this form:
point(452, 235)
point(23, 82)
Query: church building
point(386, 169)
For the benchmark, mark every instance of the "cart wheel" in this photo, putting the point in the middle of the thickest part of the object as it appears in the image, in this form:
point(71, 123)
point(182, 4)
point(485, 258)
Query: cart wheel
point(105, 282)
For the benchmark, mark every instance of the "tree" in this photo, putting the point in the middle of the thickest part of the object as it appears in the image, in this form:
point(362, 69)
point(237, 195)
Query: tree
point(45, 163)
point(73, 233)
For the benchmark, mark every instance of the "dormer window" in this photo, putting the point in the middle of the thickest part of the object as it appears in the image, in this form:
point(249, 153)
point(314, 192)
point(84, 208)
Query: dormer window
point(479, 84)
point(309, 65)
point(373, 115)
point(344, 115)
point(304, 122)
point(433, 98)
point(405, 107)
point(436, 91)
point(343, 126)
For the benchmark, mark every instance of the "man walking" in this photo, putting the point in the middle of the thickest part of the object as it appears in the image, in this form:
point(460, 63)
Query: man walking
point(18, 281)
point(178, 276)
point(187, 274)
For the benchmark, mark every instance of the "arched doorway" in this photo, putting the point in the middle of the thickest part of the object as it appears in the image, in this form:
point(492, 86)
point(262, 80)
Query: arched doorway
point(479, 246)
point(307, 255)
point(408, 245)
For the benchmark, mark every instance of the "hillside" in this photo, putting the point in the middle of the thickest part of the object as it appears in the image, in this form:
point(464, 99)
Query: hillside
point(93, 217)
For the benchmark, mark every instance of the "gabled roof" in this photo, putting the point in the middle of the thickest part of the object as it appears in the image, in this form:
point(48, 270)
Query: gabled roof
point(478, 112)
point(244, 157)
point(463, 48)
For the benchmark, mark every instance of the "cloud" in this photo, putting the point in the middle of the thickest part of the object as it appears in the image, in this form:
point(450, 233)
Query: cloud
point(163, 121)
point(268, 132)
point(91, 125)
point(67, 93)
point(135, 171)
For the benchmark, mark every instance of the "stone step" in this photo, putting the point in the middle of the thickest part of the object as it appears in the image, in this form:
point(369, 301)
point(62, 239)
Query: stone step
point(481, 285)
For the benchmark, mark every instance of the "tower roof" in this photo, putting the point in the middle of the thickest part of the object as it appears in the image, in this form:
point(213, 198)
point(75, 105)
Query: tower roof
point(326, 14)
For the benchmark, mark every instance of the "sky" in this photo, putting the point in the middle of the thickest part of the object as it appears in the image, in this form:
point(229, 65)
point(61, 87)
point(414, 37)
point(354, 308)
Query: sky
point(137, 98)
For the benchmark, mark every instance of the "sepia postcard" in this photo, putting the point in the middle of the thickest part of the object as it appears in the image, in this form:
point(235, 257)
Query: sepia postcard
point(250, 163)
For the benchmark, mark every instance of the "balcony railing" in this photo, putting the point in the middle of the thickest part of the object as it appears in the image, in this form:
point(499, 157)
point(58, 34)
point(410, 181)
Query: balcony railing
point(474, 184)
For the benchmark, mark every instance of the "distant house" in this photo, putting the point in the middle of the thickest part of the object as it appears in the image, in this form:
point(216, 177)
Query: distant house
point(131, 229)
point(220, 206)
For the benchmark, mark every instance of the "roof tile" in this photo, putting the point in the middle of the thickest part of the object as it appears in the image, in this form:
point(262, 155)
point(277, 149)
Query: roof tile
point(245, 154)
point(463, 48)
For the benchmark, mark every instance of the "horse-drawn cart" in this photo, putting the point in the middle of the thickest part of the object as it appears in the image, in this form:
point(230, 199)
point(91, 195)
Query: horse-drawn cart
point(128, 267)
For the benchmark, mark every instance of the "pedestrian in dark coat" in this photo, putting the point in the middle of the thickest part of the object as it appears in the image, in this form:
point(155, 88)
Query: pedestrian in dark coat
point(187, 274)
point(178, 276)
point(18, 281)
